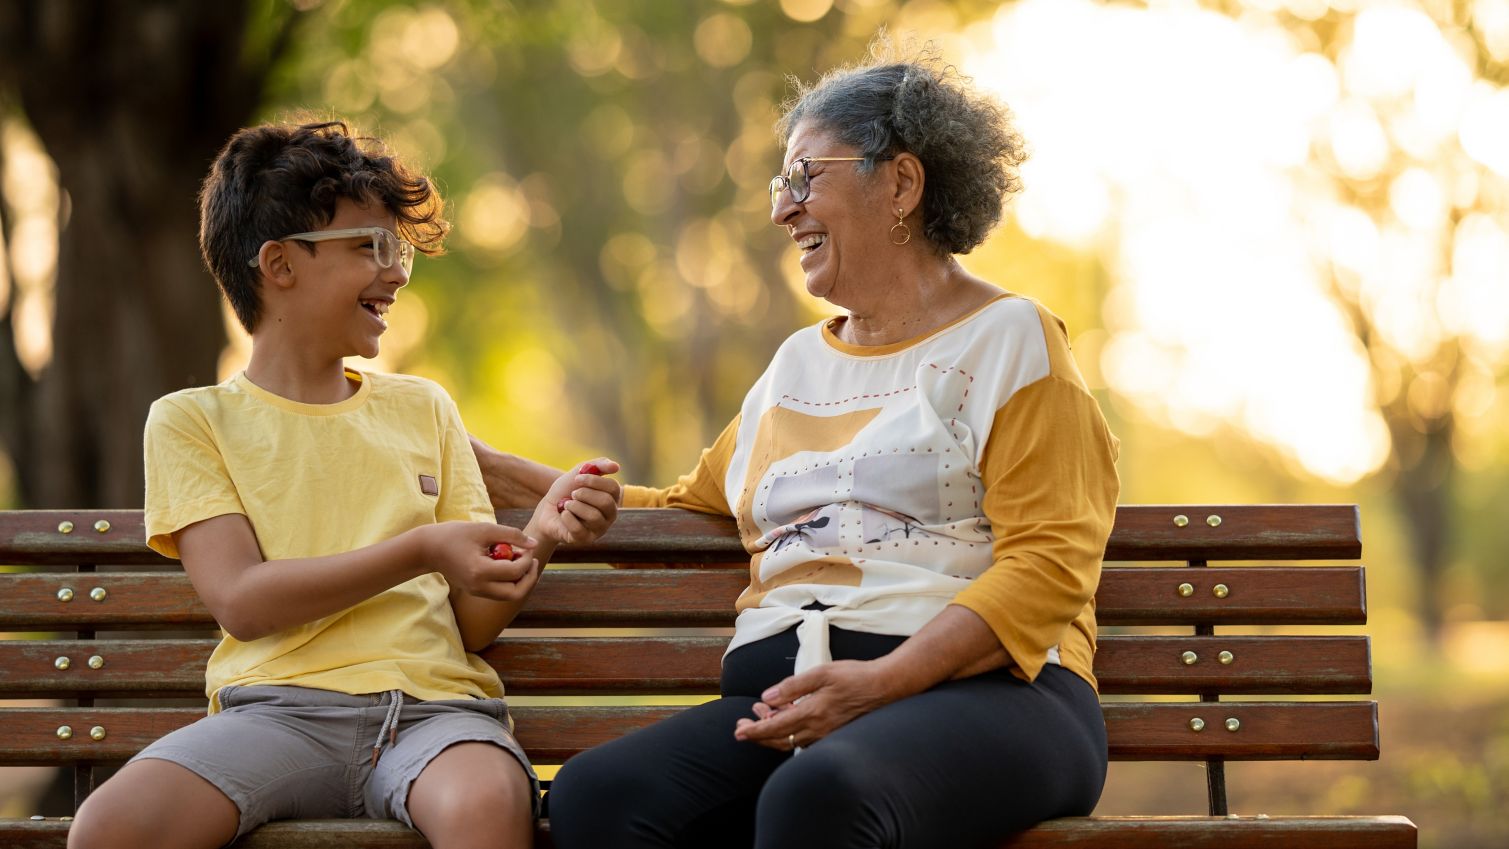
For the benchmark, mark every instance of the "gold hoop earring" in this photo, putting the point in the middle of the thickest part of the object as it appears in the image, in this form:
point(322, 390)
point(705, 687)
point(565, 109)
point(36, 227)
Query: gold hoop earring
point(906, 232)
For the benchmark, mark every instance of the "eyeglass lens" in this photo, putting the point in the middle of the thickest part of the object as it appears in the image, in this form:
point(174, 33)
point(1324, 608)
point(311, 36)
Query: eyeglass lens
point(386, 247)
point(796, 177)
point(794, 180)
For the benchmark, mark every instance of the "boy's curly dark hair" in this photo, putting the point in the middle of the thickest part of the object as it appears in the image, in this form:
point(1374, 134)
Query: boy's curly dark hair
point(917, 104)
point(276, 179)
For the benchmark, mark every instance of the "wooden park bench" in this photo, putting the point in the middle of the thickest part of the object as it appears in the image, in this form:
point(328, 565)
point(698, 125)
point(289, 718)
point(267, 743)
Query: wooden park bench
point(82, 632)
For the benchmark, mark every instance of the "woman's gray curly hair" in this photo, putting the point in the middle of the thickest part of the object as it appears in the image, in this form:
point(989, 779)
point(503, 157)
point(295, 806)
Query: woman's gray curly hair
point(969, 149)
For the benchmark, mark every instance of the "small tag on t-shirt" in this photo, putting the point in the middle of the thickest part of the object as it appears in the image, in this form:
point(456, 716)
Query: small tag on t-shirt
point(428, 485)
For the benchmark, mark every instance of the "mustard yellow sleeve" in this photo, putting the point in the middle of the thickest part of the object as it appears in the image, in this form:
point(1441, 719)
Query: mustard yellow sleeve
point(701, 490)
point(1049, 471)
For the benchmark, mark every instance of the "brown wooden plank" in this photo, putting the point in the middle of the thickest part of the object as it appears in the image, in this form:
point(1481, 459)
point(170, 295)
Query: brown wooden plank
point(1237, 832)
point(131, 600)
point(35, 537)
point(1142, 532)
point(32, 734)
point(653, 536)
point(1254, 595)
point(628, 598)
point(29, 669)
point(579, 598)
point(548, 734)
point(597, 598)
point(534, 665)
point(1267, 730)
point(588, 665)
point(692, 664)
point(285, 834)
point(1268, 665)
point(1243, 532)
point(1136, 731)
point(1234, 832)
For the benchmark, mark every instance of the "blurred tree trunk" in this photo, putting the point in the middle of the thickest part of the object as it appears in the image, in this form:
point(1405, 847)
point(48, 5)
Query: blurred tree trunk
point(131, 101)
point(1424, 491)
point(1423, 465)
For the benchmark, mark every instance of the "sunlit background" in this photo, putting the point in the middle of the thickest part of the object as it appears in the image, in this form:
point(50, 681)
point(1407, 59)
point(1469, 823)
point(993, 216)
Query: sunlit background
point(1249, 187)
point(1278, 230)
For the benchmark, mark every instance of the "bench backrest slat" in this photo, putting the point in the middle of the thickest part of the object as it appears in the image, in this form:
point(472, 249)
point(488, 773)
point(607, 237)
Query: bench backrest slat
point(1141, 532)
point(690, 664)
point(1266, 731)
point(596, 598)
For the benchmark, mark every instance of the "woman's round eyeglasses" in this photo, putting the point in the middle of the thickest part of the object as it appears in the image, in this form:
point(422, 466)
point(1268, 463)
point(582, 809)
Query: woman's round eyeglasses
point(798, 180)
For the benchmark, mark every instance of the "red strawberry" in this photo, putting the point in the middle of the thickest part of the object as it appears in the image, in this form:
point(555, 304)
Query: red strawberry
point(500, 551)
point(586, 469)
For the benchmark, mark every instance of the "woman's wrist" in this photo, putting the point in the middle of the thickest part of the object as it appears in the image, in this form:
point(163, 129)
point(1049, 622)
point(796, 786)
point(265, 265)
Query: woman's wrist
point(900, 677)
point(511, 480)
point(957, 643)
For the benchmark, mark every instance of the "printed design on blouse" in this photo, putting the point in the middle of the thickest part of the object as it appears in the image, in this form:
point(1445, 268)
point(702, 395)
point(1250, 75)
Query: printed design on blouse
point(861, 498)
point(804, 507)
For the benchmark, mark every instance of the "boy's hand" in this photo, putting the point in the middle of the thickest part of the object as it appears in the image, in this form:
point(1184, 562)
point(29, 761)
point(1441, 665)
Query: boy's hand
point(581, 504)
point(462, 552)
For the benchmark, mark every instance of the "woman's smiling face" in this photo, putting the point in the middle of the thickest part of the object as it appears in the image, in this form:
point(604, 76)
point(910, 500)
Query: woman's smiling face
point(842, 226)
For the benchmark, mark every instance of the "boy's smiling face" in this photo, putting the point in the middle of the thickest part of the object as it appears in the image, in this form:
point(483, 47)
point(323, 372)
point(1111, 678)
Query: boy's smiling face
point(340, 290)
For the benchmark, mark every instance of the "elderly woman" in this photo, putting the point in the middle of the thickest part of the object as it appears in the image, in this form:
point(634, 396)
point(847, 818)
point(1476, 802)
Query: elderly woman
point(925, 488)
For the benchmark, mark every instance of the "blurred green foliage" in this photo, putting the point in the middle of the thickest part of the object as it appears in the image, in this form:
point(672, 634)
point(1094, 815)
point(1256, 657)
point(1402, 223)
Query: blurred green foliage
point(615, 283)
point(614, 286)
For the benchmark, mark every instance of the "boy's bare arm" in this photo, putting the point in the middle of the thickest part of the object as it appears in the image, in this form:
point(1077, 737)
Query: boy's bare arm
point(577, 507)
point(252, 598)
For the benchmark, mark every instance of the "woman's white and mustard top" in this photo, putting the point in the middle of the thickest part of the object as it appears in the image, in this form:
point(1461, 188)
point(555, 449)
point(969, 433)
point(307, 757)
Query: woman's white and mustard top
point(968, 466)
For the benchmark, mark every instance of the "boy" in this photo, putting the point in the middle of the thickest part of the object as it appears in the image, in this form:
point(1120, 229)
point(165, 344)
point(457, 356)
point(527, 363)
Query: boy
point(336, 525)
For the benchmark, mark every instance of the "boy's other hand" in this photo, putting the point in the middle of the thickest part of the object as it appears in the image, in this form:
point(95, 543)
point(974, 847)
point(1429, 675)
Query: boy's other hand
point(461, 551)
point(582, 504)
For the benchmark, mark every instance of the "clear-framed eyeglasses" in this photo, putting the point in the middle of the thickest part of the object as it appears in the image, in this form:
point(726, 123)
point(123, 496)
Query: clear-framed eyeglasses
point(386, 247)
point(798, 179)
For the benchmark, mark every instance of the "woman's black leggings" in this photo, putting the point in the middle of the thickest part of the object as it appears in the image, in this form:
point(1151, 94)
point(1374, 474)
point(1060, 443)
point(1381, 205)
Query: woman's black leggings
point(963, 764)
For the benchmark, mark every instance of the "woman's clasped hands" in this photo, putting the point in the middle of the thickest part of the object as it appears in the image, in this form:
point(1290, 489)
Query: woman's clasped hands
point(805, 708)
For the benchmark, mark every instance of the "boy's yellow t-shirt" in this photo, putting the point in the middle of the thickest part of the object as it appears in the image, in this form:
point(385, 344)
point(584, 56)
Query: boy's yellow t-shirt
point(321, 479)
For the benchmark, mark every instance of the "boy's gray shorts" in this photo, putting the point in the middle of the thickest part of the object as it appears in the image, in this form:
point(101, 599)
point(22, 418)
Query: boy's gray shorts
point(285, 752)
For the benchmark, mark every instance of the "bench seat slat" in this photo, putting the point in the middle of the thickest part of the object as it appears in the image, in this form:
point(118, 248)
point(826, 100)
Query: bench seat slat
point(1237, 832)
point(588, 598)
point(691, 664)
point(1141, 532)
point(1241, 832)
point(1136, 731)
